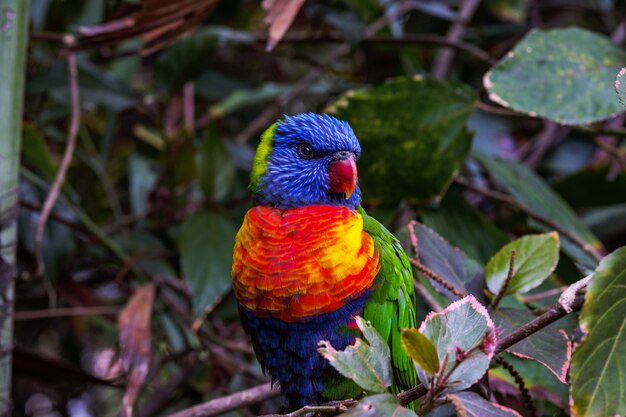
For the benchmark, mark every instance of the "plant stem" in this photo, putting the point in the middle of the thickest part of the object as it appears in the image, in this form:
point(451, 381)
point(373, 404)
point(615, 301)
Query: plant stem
point(13, 40)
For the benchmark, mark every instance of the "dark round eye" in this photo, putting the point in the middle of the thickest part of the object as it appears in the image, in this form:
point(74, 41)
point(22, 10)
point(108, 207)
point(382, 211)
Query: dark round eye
point(305, 151)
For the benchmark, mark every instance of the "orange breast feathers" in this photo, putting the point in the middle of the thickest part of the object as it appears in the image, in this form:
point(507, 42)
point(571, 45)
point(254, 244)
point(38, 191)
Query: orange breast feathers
point(302, 262)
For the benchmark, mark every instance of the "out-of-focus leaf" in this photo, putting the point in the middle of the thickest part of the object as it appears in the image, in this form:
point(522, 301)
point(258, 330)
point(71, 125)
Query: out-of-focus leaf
point(509, 10)
point(279, 15)
point(206, 250)
point(471, 404)
point(536, 257)
point(135, 339)
point(142, 179)
point(366, 363)
point(532, 192)
point(606, 222)
point(36, 152)
point(549, 346)
point(380, 405)
point(607, 190)
point(214, 166)
point(465, 227)
point(97, 87)
point(215, 85)
point(566, 75)
point(599, 363)
point(464, 333)
point(421, 350)
point(186, 60)
point(410, 151)
point(449, 262)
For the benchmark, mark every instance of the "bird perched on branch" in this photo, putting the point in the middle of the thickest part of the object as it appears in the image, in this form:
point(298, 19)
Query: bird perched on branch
point(308, 259)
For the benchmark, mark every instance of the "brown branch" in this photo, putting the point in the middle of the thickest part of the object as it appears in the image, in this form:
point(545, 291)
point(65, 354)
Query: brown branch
point(507, 282)
point(432, 275)
point(444, 60)
point(507, 199)
point(66, 312)
point(67, 157)
point(230, 402)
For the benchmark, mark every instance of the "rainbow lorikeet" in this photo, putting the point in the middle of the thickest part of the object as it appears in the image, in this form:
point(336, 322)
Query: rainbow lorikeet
point(307, 260)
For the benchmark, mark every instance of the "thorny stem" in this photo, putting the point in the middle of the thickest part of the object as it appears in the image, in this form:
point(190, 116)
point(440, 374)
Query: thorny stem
point(429, 273)
point(530, 406)
point(507, 282)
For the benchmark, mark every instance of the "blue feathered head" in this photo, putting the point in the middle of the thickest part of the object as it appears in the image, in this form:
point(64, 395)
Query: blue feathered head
point(307, 159)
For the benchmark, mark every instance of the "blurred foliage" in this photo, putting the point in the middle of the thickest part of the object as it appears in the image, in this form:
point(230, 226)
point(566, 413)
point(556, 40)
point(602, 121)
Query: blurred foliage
point(158, 184)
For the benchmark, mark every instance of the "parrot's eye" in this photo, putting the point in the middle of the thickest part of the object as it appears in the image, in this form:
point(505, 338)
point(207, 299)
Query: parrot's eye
point(305, 151)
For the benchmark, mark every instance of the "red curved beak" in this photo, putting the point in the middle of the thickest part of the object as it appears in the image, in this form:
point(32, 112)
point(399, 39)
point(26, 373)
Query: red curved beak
point(342, 175)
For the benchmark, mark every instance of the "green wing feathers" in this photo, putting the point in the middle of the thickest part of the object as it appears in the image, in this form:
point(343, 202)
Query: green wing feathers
point(392, 307)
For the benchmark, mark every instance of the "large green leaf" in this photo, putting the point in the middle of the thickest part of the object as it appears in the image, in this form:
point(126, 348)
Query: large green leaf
point(381, 405)
point(464, 334)
point(206, 250)
point(549, 346)
point(566, 75)
point(599, 362)
point(607, 189)
point(366, 363)
point(536, 257)
point(413, 134)
point(532, 192)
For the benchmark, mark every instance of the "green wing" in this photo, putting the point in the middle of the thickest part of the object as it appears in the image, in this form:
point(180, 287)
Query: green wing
point(392, 307)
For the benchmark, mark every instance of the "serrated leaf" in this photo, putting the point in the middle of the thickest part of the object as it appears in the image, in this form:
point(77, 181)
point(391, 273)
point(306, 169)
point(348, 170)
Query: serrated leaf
point(437, 254)
point(532, 192)
point(471, 404)
point(598, 371)
point(536, 257)
point(421, 350)
point(366, 363)
point(206, 251)
point(462, 327)
point(381, 405)
point(549, 346)
point(566, 75)
point(410, 151)
point(620, 86)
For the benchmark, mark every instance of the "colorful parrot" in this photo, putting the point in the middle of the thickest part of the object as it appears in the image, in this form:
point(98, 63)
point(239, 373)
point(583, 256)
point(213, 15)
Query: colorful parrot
point(307, 260)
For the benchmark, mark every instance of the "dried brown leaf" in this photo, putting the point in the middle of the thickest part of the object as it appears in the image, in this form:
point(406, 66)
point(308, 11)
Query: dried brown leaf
point(134, 325)
point(279, 15)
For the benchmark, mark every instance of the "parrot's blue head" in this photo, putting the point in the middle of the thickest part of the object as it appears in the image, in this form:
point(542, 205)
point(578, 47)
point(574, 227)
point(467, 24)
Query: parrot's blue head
point(307, 159)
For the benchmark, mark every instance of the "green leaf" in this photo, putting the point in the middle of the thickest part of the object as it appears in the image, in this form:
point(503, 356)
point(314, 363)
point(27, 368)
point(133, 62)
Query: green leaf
point(465, 227)
point(214, 166)
point(598, 371)
point(607, 189)
point(36, 152)
point(449, 262)
point(410, 150)
point(536, 257)
point(566, 75)
point(549, 346)
point(421, 350)
point(206, 249)
point(381, 405)
point(532, 192)
point(186, 60)
point(366, 364)
point(463, 328)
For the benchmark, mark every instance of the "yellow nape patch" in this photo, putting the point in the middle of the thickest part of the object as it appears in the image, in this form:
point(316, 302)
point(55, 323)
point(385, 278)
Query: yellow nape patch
point(261, 157)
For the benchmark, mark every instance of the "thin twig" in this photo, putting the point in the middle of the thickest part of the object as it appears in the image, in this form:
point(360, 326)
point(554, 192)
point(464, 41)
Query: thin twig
point(507, 282)
point(67, 157)
point(567, 297)
point(530, 298)
point(612, 151)
point(432, 275)
point(507, 199)
point(66, 312)
point(444, 60)
point(230, 402)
